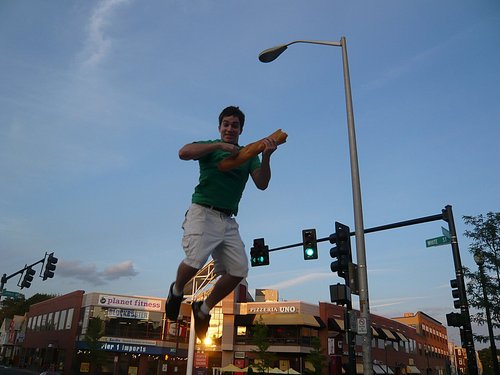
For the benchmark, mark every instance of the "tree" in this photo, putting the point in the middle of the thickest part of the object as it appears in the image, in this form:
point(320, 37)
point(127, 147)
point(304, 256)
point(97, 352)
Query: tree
point(316, 357)
point(96, 355)
point(485, 236)
point(260, 333)
point(19, 306)
point(486, 360)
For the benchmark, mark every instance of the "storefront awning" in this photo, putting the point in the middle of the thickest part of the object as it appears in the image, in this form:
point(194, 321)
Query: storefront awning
point(401, 336)
point(288, 319)
point(378, 370)
point(389, 334)
point(340, 323)
point(374, 332)
point(412, 370)
point(386, 369)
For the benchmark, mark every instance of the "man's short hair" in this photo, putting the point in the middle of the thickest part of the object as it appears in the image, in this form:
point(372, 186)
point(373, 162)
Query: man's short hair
point(233, 111)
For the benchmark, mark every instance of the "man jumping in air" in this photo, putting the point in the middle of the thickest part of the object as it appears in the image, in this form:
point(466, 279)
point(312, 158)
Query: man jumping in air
point(210, 228)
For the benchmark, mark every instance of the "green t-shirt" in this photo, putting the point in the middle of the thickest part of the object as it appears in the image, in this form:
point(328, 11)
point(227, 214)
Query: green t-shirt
point(222, 189)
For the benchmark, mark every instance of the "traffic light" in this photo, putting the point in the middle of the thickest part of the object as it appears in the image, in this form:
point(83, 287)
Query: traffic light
point(455, 292)
point(340, 294)
point(259, 253)
point(50, 267)
point(28, 278)
point(342, 250)
point(454, 319)
point(310, 244)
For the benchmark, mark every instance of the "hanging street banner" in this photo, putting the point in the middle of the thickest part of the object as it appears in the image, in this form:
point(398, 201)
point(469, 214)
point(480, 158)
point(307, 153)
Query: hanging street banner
point(438, 241)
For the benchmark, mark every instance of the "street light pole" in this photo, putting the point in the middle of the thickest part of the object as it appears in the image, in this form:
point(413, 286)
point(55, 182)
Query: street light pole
point(271, 54)
point(480, 263)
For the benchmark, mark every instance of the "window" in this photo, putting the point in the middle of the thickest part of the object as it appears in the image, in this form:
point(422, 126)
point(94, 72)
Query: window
point(62, 319)
point(50, 322)
point(69, 318)
point(56, 320)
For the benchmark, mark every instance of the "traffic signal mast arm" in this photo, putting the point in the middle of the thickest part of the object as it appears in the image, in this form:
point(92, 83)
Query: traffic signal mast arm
point(52, 261)
point(5, 277)
point(446, 215)
point(400, 224)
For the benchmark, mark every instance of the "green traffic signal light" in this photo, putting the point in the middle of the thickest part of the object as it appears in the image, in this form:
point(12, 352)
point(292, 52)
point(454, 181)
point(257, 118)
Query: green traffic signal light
point(310, 244)
point(309, 252)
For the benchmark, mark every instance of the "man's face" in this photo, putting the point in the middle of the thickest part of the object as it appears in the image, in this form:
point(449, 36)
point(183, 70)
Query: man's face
point(230, 129)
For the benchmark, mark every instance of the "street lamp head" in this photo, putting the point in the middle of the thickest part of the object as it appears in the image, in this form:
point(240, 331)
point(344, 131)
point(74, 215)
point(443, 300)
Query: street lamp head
point(478, 259)
point(272, 54)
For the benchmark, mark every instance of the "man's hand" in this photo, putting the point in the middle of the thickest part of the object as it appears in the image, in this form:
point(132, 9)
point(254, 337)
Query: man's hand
point(229, 147)
point(270, 146)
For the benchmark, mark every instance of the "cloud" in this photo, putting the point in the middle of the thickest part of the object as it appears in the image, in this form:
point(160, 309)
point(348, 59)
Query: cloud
point(98, 43)
point(124, 269)
point(299, 280)
point(89, 273)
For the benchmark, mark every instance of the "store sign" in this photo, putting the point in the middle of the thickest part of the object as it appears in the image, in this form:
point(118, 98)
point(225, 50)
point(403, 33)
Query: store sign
point(123, 340)
point(130, 314)
point(281, 309)
point(130, 302)
point(200, 360)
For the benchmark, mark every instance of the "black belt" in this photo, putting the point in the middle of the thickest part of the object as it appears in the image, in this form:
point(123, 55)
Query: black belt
point(224, 211)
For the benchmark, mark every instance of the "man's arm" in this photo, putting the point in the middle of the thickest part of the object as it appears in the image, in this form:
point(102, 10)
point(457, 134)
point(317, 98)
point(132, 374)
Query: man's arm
point(261, 176)
point(195, 151)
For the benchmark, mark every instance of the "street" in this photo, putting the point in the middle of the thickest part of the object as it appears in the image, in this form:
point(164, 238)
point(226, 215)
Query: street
point(5, 370)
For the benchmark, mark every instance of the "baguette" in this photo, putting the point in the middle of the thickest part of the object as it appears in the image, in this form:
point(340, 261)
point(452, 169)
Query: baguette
point(249, 151)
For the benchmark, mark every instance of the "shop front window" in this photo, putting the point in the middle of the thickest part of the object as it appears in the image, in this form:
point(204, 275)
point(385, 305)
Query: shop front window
point(136, 324)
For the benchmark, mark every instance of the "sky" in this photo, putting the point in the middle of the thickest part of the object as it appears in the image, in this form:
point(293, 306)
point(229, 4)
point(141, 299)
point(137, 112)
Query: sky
point(98, 96)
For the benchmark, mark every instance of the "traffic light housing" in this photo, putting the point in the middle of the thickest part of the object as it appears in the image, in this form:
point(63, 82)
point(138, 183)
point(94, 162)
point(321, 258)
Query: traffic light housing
point(455, 292)
point(342, 250)
point(50, 267)
point(259, 253)
point(28, 278)
point(310, 244)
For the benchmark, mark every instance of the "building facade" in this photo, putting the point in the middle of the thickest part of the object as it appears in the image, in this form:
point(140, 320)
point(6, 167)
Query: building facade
point(137, 339)
point(432, 344)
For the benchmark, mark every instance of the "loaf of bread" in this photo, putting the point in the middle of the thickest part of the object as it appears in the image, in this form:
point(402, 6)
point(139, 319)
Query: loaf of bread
point(249, 151)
